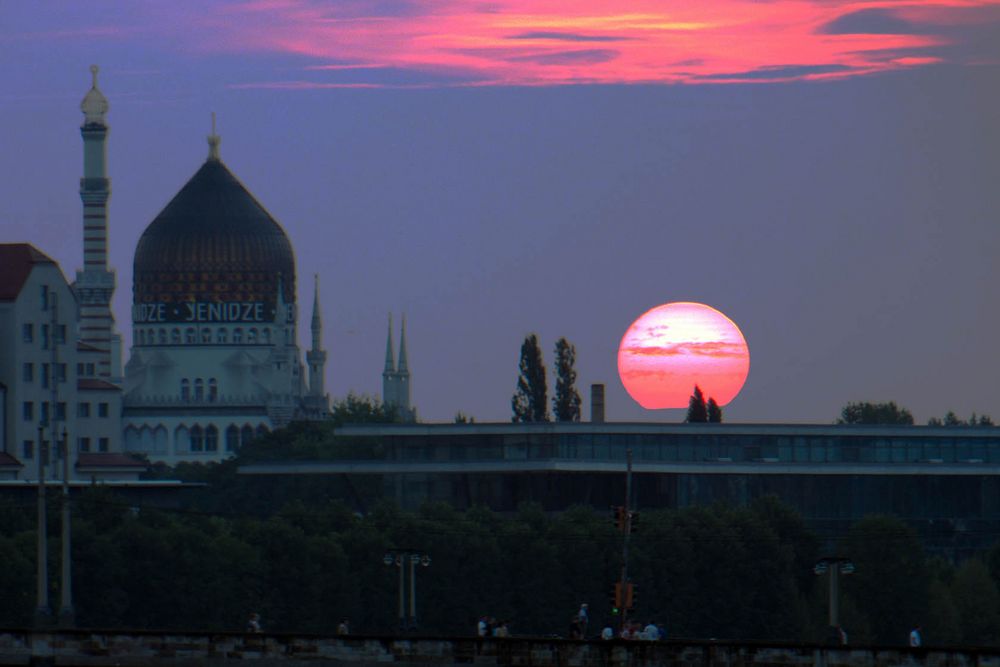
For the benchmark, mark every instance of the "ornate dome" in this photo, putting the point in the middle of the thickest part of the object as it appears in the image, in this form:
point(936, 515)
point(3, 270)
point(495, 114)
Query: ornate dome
point(213, 243)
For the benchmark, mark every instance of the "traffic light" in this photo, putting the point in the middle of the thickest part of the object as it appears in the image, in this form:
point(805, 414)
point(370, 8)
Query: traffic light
point(616, 599)
point(619, 517)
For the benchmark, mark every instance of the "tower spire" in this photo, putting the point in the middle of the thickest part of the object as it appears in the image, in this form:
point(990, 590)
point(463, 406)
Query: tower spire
point(95, 284)
point(402, 368)
point(316, 357)
point(390, 360)
point(213, 142)
point(317, 321)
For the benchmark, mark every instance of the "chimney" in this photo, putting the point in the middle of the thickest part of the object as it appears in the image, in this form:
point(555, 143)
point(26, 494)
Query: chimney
point(597, 403)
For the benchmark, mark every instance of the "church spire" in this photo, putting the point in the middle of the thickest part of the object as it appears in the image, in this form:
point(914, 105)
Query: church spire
point(402, 368)
point(390, 360)
point(316, 357)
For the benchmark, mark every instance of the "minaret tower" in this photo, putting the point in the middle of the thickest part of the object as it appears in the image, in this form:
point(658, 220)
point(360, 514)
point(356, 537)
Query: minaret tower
point(316, 356)
point(95, 284)
point(403, 377)
point(389, 372)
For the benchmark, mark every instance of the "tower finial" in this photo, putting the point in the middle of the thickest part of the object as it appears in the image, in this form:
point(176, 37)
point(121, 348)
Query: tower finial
point(94, 69)
point(94, 104)
point(213, 142)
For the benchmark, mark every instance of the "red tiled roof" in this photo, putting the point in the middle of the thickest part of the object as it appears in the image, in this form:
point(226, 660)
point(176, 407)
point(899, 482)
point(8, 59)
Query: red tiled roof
point(16, 262)
point(6, 460)
point(94, 383)
point(108, 460)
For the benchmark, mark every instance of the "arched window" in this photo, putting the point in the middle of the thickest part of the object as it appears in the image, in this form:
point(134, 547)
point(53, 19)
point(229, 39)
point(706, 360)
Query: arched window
point(232, 438)
point(206, 335)
point(182, 439)
point(246, 435)
point(252, 336)
point(197, 439)
point(237, 335)
point(220, 335)
point(185, 390)
point(199, 389)
point(175, 336)
point(189, 335)
point(163, 336)
point(211, 439)
point(213, 390)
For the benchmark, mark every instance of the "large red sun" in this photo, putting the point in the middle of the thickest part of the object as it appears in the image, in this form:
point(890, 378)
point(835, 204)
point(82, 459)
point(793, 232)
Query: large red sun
point(671, 348)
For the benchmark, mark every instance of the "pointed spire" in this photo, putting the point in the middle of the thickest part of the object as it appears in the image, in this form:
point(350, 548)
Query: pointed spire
point(317, 321)
point(213, 142)
point(390, 361)
point(402, 349)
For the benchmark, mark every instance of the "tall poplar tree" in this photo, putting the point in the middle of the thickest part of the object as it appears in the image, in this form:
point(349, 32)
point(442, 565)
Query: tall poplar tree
point(697, 410)
point(714, 411)
point(530, 400)
point(566, 402)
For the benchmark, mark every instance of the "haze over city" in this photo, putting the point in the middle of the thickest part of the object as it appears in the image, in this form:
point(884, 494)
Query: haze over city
point(824, 173)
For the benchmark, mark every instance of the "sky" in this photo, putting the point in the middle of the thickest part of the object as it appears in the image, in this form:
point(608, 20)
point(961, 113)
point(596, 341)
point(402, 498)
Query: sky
point(825, 173)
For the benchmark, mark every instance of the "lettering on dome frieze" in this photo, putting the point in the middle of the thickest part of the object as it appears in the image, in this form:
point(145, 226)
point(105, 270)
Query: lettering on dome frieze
point(203, 311)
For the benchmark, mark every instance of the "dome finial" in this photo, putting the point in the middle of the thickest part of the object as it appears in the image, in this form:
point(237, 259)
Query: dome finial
point(94, 104)
point(213, 142)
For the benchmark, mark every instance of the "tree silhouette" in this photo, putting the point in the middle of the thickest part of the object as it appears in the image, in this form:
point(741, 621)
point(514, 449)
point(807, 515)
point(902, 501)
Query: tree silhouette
point(697, 410)
point(566, 402)
point(714, 411)
point(529, 403)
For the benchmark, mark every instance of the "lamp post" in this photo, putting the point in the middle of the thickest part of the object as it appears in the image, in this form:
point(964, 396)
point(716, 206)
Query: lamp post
point(835, 566)
point(42, 612)
point(402, 558)
point(66, 613)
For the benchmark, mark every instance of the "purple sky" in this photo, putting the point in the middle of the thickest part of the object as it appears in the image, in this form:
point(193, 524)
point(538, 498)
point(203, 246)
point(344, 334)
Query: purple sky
point(850, 225)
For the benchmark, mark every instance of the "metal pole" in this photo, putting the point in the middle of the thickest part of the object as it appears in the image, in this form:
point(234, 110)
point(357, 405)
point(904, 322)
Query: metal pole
point(628, 530)
point(66, 614)
point(413, 591)
point(834, 594)
point(42, 588)
point(402, 591)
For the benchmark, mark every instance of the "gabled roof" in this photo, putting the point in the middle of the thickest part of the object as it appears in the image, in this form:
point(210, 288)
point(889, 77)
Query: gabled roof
point(16, 262)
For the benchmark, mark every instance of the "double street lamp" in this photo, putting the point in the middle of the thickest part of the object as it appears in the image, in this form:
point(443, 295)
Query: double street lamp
point(403, 558)
point(836, 566)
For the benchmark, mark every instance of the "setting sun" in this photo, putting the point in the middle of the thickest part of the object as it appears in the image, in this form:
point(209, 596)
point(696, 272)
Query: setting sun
point(671, 348)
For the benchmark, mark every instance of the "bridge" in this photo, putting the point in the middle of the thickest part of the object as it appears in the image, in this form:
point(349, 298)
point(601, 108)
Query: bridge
point(115, 648)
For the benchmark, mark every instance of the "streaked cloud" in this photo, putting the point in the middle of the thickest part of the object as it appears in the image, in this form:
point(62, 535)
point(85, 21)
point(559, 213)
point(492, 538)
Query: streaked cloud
point(469, 42)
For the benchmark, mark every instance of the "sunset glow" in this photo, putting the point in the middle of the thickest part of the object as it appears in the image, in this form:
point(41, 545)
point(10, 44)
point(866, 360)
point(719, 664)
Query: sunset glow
point(671, 348)
point(442, 43)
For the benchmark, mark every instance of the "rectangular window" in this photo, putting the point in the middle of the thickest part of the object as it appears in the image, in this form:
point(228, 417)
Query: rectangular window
point(83, 444)
point(102, 444)
point(60, 333)
point(45, 412)
point(28, 332)
point(83, 410)
point(28, 411)
point(102, 409)
point(90, 370)
point(44, 378)
point(61, 372)
point(61, 411)
point(28, 449)
point(45, 336)
point(45, 297)
point(28, 373)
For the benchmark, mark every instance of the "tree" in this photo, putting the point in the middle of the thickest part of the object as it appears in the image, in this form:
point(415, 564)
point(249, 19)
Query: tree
point(714, 412)
point(697, 410)
point(529, 402)
point(874, 413)
point(566, 402)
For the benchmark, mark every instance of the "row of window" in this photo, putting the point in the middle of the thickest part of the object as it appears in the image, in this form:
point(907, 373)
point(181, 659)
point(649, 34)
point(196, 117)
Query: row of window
point(82, 410)
point(199, 390)
point(203, 335)
point(28, 334)
point(83, 445)
point(28, 373)
point(194, 439)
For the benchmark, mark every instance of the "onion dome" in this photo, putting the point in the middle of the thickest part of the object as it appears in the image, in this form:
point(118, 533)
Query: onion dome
point(214, 243)
point(94, 104)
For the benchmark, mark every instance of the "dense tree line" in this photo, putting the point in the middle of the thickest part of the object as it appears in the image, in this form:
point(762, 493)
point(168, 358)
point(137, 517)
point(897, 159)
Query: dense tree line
point(742, 573)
